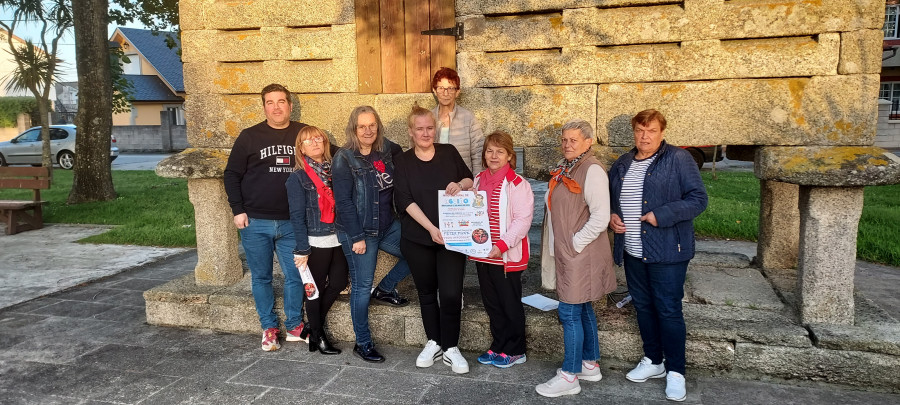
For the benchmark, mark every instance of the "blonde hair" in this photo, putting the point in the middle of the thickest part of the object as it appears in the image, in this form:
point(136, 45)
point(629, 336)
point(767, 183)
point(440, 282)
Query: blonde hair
point(418, 111)
point(305, 133)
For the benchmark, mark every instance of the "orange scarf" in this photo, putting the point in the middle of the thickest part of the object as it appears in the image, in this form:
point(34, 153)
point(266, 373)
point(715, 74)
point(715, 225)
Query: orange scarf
point(557, 176)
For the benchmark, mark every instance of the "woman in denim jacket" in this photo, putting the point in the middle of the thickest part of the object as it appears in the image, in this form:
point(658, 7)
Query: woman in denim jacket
point(312, 216)
point(364, 192)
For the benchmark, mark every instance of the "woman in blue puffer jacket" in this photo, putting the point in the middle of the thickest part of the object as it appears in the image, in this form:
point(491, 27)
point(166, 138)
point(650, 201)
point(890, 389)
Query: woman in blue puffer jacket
point(656, 193)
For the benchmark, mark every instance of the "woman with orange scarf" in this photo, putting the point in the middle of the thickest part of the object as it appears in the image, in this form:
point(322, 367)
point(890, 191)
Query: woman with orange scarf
point(578, 210)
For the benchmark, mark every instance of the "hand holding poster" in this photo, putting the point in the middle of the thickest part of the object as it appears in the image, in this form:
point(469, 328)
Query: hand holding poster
point(464, 222)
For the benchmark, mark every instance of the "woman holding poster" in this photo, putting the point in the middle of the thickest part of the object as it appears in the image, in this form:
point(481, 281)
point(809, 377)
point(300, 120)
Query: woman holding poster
point(421, 173)
point(510, 206)
point(312, 215)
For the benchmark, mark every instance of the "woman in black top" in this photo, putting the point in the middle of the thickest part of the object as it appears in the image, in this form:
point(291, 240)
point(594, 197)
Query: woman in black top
point(421, 172)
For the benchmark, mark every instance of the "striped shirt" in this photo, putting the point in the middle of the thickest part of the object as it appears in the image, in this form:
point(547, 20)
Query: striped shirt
point(631, 202)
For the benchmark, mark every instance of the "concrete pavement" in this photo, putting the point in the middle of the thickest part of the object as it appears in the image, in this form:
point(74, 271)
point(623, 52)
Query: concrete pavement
point(91, 345)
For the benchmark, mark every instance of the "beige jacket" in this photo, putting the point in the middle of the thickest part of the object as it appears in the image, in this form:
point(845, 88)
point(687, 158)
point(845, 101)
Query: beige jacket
point(465, 135)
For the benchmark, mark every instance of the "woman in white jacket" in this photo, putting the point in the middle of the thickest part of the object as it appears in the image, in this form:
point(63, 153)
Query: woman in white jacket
point(510, 204)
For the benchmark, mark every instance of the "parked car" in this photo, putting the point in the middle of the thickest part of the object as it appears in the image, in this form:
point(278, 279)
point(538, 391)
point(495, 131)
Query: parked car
point(26, 148)
point(707, 153)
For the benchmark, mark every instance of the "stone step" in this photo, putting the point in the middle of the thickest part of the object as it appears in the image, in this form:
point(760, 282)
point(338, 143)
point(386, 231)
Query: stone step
point(721, 337)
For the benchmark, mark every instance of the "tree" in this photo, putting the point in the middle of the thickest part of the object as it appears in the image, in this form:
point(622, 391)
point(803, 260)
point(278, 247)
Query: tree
point(36, 70)
point(123, 90)
point(92, 179)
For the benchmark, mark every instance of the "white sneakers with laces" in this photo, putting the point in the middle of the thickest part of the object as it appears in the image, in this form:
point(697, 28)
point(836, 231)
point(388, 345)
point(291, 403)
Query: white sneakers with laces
point(675, 390)
point(430, 353)
point(561, 384)
point(646, 370)
point(456, 361)
point(590, 372)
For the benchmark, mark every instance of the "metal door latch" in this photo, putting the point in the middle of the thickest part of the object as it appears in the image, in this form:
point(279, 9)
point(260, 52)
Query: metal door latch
point(456, 31)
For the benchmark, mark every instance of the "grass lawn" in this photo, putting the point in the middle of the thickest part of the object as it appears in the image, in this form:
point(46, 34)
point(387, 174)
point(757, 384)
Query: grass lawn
point(155, 211)
point(733, 213)
point(150, 210)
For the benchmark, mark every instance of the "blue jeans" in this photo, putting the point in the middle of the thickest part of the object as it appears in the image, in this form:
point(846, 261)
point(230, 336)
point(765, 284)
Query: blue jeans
point(362, 274)
point(261, 239)
point(656, 291)
point(579, 335)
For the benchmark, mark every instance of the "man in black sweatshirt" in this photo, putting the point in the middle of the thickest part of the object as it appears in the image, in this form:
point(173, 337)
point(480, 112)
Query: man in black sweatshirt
point(261, 160)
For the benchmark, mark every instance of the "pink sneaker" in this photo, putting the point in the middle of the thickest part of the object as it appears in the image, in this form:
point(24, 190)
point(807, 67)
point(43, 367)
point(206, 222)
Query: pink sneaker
point(298, 334)
point(270, 340)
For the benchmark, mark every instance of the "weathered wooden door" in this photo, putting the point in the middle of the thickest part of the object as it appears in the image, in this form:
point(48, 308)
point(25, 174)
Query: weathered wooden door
point(392, 54)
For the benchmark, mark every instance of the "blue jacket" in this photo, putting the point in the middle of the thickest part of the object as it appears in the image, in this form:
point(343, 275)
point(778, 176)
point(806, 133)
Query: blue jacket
point(355, 191)
point(306, 218)
point(674, 191)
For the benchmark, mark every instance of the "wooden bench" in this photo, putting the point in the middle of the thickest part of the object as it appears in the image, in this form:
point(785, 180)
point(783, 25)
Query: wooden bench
point(23, 215)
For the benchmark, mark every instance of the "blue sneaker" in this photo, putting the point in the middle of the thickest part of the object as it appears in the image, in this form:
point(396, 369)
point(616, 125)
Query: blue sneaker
point(504, 361)
point(488, 357)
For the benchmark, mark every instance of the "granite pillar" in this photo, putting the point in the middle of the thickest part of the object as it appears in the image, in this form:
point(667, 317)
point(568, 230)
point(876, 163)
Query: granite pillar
point(218, 262)
point(779, 225)
point(829, 219)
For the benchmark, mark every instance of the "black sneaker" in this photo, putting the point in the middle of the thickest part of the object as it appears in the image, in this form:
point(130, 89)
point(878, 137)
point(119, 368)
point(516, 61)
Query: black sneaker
point(368, 353)
point(392, 298)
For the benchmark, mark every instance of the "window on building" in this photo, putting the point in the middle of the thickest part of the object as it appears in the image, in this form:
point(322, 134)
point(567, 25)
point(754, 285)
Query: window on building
point(889, 91)
point(891, 15)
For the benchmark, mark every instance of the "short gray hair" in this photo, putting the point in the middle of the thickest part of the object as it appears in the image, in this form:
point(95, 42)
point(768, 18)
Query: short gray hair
point(352, 141)
point(586, 130)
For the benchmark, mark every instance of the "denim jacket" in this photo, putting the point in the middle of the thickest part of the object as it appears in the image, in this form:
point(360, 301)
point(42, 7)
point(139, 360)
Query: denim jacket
point(305, 215)
point(675, 193)
point(355, 191)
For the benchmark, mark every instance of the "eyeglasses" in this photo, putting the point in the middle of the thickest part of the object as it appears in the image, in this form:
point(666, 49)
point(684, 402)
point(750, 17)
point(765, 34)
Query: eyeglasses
point(317, 139)
point(442, 89)
point(371, 128)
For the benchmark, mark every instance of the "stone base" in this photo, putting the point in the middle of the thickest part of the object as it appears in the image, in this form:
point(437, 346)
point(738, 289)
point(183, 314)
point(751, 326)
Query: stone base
point(738, 338)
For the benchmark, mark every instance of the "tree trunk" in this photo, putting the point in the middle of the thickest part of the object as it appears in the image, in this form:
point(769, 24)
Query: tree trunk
point(93, 176)
point(44, 110)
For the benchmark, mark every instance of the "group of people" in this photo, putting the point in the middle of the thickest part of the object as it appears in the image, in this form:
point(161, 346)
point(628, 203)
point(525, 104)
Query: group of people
point(314, 205)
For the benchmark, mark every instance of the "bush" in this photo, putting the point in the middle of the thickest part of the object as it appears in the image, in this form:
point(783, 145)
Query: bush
point(11, 107)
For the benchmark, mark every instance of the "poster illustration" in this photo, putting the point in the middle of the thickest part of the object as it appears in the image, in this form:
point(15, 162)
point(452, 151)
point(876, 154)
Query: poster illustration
point(464, 222)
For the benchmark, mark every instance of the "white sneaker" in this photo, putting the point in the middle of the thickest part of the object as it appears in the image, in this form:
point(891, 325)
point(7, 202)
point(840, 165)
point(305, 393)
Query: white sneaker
point(561, 384)
point(430, 353)
point(456, 361)
point(675, 390)
point(590, 372)
point(646, 370)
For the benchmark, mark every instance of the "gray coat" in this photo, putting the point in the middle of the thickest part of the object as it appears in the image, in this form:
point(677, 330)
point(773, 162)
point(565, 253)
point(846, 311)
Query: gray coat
point(465, 135)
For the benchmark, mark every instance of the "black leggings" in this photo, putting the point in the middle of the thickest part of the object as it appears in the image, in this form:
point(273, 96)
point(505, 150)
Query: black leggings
point(437, 272)
point(329, 268)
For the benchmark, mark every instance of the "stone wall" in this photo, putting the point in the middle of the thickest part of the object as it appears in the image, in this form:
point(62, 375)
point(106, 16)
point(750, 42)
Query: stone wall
point(888, 136)
point(151, 138)
point(753, 72)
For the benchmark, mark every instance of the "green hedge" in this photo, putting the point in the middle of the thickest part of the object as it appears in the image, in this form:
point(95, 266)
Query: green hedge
point(10, 107)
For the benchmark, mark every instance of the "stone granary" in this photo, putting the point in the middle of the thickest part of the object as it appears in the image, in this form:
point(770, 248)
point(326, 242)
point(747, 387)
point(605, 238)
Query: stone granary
point(792, 82)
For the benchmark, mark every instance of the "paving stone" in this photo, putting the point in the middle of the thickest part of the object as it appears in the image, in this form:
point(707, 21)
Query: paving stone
point(12, 321)
point(745, 288)
point(48, 348)
point(205, 391)
point(203, 366)
point(131, 298)
point(284, 396)
point(8, 341)
point(733, 260)
point(29, 306)
point(89, 293)
point(137, 284)
point(125, 358)
point(13, 397)
point(709, 322)
point(286, 374)
point(715, 390)
point(466, 391)
point(125, 314)
point(380, 384)
point(74, 309)
point(86, 329)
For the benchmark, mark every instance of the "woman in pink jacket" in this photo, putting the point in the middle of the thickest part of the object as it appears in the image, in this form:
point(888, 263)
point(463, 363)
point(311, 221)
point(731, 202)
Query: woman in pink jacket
point(510, 204)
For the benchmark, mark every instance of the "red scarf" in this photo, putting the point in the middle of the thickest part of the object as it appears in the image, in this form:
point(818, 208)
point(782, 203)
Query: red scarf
point(488, 182)
point(326, 196)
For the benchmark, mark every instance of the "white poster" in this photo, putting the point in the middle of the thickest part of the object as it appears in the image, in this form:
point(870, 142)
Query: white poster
point(464, 222)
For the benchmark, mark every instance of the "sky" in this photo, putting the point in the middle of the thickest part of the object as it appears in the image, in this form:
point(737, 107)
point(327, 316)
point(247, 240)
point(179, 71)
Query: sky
point(66, 51)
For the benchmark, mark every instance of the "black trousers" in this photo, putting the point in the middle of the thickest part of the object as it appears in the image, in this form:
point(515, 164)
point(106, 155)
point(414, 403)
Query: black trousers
point(329, 268)
point(437, 272)
point(502, 297)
